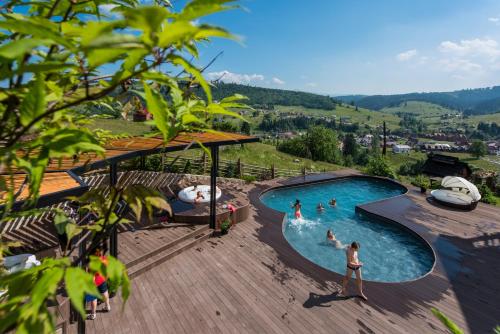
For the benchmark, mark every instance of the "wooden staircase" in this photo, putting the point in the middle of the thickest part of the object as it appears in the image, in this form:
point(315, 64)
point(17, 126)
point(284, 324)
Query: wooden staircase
point(161, 254)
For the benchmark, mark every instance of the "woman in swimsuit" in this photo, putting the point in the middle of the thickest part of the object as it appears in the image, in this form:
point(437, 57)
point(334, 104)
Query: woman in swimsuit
point(297, 206)
point(320, 207)
point(353, 265)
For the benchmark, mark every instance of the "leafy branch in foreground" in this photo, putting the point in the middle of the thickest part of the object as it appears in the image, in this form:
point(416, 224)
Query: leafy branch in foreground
point(51, 56)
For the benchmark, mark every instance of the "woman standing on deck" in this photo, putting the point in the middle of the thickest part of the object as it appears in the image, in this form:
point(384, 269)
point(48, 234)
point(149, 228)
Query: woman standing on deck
point(353, 265)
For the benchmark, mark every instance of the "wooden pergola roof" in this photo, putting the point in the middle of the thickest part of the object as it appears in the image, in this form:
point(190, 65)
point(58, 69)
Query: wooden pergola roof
point(62, 180)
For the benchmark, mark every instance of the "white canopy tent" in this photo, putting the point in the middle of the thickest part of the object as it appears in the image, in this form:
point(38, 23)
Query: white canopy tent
point(457, 192)
point(462, 185)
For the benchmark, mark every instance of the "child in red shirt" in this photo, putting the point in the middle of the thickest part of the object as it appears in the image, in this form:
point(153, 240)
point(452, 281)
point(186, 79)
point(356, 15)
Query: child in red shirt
point(102, 286)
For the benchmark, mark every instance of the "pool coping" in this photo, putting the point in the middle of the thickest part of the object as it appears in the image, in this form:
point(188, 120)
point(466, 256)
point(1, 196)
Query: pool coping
point(329, 177)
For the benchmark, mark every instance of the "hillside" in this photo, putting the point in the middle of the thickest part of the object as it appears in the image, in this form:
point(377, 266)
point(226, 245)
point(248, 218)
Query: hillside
point(470, 101)
point(270, 97)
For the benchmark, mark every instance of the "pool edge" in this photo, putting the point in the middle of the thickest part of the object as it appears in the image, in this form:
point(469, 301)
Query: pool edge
point(384, 219)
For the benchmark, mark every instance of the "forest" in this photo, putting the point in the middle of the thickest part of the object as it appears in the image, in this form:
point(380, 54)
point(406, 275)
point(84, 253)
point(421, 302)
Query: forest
point(269, 97)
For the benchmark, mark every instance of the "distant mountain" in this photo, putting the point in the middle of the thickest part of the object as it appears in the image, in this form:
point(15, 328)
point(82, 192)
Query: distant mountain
point(271, 97)
point(470, 101)
point(350, 98)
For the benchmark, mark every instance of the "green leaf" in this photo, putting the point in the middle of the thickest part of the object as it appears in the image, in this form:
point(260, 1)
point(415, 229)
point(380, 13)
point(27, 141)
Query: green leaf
point(17, 48)
point(36, 27)
point(78, 283)
point(46, 286)
point(188, 67)
point(159, 109)
point(33, 104)
point(450, 325)
point(198, 8)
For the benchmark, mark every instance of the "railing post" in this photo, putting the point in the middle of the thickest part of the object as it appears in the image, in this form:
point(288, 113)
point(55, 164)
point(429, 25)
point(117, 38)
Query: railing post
point(143, 163)
point(238, 168)
point(204, 163)
point(273, 171)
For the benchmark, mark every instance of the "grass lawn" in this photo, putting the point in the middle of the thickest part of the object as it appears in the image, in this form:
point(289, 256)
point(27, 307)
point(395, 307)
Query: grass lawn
point(264, 155)
point(119, 126)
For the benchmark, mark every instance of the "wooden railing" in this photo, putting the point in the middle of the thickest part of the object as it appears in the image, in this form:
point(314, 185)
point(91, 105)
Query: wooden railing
point(228, 168)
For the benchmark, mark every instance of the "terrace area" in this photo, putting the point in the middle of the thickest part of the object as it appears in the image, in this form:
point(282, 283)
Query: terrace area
point(252, 281)
point(185, 279)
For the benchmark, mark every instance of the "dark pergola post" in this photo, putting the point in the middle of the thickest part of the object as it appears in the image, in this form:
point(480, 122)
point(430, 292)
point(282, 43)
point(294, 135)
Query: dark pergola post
point(143, 163)
point(213, 185)
point(113, 238)
point(81, 321)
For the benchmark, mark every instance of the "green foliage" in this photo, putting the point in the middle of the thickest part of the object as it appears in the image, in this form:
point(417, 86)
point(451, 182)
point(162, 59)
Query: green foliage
point(487, 196)
point(350, 147)
point(224, 226)
point(348, 160)
point(379, 166)
point(421, 181)
point(478, 149)
point(411, 167)
point(450, 325)
point(318, 144)
point(51, 55)
point(245, 128)
point(249, 178)
point(266, 97)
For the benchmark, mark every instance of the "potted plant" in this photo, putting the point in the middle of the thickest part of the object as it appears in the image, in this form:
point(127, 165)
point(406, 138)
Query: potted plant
point(422, 182)
point(224, 226)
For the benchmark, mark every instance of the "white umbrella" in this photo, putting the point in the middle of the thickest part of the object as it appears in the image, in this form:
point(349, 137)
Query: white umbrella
point(460, 182)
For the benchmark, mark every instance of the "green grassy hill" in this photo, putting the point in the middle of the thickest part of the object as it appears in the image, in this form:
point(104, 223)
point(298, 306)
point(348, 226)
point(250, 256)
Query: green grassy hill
point(362, 116)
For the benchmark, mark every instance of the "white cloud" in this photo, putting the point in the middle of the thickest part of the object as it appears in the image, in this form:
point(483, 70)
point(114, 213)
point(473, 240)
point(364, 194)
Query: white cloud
point(407, 55)
point(277, 81)
point(460, 65)
point(311, 84)
point(494, 20)
point(235, 77)
point(473, 47)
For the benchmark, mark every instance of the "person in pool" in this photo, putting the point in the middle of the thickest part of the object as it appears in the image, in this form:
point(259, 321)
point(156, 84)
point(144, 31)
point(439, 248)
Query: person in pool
point(297, 206)
point(320, 207)
point(330, 237)
point(353, 265)
point(333, 202)
point(199, 197)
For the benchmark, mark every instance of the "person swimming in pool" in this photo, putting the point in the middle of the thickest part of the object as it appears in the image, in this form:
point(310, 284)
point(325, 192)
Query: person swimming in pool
point(320, 207)
point(353, 265)
point(297, 206)
point(333, 202)
point(330, 237)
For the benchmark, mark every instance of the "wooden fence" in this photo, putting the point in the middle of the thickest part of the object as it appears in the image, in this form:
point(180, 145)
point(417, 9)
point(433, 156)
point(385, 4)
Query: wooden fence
point(227, 168)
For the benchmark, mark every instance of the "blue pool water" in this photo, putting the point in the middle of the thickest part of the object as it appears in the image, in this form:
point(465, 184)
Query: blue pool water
point(389, 252)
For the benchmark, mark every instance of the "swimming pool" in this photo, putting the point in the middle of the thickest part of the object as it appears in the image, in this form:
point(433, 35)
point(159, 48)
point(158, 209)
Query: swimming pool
point(389, 252)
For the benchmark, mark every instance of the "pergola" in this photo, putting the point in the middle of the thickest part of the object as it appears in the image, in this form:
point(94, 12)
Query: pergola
point(63, 177)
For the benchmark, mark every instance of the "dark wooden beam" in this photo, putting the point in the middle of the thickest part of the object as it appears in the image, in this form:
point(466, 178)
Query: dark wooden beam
point(213, 185)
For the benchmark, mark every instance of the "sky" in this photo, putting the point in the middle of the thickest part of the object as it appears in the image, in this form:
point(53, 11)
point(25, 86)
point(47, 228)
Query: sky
point(341, 47)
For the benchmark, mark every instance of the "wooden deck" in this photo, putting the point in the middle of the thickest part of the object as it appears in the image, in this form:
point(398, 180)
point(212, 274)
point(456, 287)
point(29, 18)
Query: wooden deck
point(252, 281)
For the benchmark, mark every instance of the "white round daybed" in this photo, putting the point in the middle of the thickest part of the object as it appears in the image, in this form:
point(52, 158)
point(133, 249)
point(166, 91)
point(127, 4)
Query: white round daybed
point(457, 192)
point(189, 194)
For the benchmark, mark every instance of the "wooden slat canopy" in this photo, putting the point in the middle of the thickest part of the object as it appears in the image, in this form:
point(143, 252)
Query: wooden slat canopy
point(61, 179)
